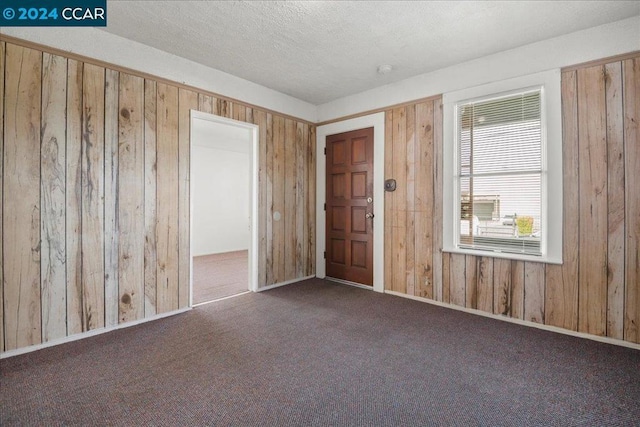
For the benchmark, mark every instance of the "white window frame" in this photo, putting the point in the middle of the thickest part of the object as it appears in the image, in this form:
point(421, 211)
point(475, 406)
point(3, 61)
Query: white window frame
point(552, 200)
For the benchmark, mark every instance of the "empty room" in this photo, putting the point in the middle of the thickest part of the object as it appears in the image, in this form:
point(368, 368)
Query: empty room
point(320, 213)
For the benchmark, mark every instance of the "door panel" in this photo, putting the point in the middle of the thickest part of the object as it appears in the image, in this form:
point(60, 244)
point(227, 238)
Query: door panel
point(350, 206)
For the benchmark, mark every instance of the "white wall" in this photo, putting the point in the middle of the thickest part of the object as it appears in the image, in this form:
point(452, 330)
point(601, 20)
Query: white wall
point(103, 46)
point(582, 46)
point(221, 174)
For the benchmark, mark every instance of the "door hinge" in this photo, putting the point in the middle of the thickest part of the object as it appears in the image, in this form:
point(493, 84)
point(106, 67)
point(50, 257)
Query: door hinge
point(325, 151)
point(325, 206)
point(325, 254)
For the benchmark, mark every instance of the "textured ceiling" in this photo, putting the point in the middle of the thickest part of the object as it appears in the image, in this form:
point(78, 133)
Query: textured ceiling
point(321, 51)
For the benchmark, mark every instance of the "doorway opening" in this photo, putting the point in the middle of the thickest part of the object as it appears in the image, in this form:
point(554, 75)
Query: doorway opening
point(224, 186)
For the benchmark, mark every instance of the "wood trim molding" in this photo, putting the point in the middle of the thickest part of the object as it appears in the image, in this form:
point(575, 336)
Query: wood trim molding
point(380, 110)
point(602, 61)
point(93, 61)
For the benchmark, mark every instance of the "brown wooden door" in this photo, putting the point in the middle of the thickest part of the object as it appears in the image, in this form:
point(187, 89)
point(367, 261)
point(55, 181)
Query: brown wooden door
point(349, 213)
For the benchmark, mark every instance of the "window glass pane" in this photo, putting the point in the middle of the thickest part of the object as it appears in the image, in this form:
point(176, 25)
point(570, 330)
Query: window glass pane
point(501, 212)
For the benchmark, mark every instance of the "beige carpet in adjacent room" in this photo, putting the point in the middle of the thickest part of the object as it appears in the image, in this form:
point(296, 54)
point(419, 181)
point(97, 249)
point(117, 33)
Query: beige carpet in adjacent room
point(219, 275)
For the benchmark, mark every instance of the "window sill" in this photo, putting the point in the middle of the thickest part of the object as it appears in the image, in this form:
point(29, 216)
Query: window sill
point(504, 255)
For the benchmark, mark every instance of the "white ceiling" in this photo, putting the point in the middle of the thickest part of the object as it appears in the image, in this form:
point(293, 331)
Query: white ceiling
point(318, 51)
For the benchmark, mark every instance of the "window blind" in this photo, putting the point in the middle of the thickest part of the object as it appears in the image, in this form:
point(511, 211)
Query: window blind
point(500, 173)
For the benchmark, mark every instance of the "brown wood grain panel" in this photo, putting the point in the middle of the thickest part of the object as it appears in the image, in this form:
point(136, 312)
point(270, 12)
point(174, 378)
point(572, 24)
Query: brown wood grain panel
point(485, 283)
point(631, 76)
point(615, 200)
point(131, 199)
point(446, 277)
point(278, 194)
point(74, 197)
point(21, 204)
point(92, 242)
point(249, 114)
point(167, 188)
point(458, 281)
point(410, 269)
point(269, 180)
point(399, 196)
point(188, 100)
point(502, 286)
point(534, 292)
point(2, 50)
point(517, 289)
point(471, 282)
point(111, 197)
point(150, 209)
point(592, 296)
point(260, 119)
point(561, 293)
point(424, 200)
point(53, 198)
point(302, 134)
point(206, 103)
point(388, 201)
point(224, 108)
point(290, 211)
point(239, 112)
point(311, 201)
point(437, 200)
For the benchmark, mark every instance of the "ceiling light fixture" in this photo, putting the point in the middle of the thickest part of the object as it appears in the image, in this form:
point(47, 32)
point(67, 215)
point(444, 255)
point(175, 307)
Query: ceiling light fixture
point(384, 69)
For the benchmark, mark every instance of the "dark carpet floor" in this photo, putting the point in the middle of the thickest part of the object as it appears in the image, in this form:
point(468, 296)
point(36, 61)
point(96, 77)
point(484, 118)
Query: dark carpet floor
point(323, 354)
point(220, 275)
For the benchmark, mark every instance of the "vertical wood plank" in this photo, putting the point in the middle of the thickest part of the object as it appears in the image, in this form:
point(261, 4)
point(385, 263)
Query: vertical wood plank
point(561, 294)
point(278, 193)
point(437, 200)
point(534, 292)
point(2, 50)
point(471, 282)
point(269, 182)
point(410, 269)
point(188, 101)
point(399, 215)
point(74, 196)
point(21, 216)
point(517, 289)
point(458, 279)
point(388, 201)
point(239, 112)
point(111, 197)
point(485, 284)
point(424, 200)
point(150, 216)
point(311, 201)
point(290, 212)
point(615, 200)
point(52, 198)
point(92, 242)
point(301, 189)
point(131, 199)
point(205, 103)
point(446, 277)
point(631, 72)
point(592, 302)
point(260, 119)
point(502, 286)
point(167, 188)
point(224, 108)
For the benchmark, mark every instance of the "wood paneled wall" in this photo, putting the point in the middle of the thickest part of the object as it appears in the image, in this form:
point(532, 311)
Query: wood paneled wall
point(95, 195)
point(597, 288)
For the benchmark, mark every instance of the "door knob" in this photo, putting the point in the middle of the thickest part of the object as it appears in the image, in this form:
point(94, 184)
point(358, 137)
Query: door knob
point(369, 215)
point(369, 200)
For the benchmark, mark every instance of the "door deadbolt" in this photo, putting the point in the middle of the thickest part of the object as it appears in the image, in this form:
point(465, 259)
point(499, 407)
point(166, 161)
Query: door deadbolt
point(369, 200)
point(369, 215)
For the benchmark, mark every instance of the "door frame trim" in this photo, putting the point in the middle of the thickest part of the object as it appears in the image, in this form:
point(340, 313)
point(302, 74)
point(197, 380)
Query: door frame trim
point(253, 195)
point(376, 121)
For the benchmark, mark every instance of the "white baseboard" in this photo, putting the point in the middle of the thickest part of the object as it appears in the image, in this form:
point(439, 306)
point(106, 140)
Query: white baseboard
point(87, 334)
point(287, 282)
point(606, 340)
